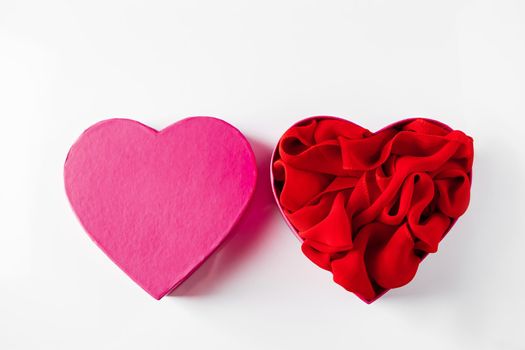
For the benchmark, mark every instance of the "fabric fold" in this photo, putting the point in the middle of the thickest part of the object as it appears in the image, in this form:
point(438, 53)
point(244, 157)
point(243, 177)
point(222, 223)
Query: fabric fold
point(369, 206)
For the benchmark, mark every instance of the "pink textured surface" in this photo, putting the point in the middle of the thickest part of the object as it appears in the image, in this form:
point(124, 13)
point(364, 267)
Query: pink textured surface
point(158, 203)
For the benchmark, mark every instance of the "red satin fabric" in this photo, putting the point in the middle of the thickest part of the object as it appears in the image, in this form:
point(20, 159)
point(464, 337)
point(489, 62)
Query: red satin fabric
point(369, 206)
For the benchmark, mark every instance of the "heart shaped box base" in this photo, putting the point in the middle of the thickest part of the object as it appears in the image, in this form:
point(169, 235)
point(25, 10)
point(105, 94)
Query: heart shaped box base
point(158, 203)
point(369, 207)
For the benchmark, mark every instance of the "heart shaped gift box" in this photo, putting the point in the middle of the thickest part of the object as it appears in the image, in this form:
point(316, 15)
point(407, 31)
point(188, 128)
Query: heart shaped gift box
point(367, 206)
point(158, 203)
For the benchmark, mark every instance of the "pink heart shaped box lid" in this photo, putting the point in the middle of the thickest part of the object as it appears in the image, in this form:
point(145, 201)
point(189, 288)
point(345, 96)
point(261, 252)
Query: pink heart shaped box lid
point(158, 203)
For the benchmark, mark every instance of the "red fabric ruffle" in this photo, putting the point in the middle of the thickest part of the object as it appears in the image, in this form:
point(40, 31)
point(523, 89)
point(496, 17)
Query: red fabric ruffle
point(369, 206)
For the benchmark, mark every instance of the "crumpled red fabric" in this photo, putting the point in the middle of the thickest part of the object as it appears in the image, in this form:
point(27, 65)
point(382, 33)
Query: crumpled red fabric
point(370, 206)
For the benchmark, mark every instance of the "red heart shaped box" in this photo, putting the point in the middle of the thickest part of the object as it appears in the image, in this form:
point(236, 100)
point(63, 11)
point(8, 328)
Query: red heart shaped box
point(369, 249)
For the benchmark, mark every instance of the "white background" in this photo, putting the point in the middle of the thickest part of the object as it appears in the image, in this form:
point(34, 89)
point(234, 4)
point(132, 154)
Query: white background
point(261, 66)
